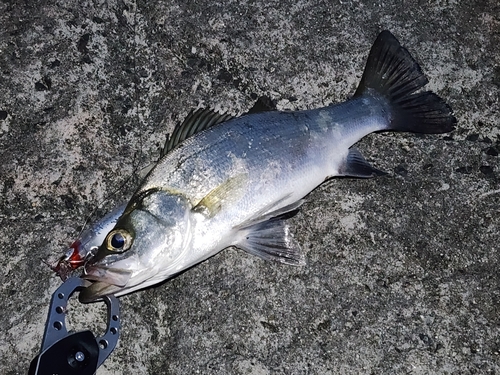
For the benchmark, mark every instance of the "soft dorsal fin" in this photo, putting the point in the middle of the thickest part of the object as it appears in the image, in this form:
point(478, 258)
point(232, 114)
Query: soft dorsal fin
point(195, 122)
point(263, 104)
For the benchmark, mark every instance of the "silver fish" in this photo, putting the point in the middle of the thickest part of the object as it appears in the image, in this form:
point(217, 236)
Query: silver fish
point(235, 181)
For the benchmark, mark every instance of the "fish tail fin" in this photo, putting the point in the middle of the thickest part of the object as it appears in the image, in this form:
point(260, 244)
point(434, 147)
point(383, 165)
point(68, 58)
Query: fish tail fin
point(393, 73)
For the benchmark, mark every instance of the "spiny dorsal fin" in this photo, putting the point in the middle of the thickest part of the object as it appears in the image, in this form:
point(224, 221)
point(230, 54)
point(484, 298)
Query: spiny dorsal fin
point(203, 118)
point(195, 122)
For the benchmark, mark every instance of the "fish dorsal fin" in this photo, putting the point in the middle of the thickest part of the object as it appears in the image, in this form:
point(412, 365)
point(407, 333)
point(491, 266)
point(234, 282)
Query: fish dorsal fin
point(263, 104)
point(145, 171)
point(203, 118)
point(226, 193)
point(195, 122)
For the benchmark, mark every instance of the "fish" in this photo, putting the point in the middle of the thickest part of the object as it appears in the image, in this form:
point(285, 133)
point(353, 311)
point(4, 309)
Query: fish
point(235, 181)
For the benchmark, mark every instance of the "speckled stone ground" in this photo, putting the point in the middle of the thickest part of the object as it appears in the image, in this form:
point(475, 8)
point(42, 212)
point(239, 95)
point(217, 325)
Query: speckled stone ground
point(402, 274)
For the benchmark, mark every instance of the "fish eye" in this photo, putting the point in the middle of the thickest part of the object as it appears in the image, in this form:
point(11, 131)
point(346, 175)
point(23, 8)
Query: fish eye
point(118, 241)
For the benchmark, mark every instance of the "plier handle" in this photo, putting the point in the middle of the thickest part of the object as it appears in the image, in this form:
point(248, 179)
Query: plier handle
point(76, 353)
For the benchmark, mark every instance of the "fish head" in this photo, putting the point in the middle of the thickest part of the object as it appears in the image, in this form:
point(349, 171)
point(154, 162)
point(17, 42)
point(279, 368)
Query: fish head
point(144, 248)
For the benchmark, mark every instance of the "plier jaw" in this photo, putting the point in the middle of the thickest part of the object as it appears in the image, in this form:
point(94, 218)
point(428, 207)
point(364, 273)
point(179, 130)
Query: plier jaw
point(76, 353)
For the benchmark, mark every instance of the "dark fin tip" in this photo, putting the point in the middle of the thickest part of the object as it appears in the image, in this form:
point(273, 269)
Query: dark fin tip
point(355, 165)
point(263, 104)
point(424, 112)
point(393, 73)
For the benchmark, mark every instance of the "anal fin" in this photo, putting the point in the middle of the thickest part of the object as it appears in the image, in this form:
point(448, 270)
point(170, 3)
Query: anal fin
point(355, 165)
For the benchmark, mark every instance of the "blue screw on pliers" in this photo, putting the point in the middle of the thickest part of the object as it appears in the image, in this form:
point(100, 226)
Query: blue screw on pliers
point(77, 353)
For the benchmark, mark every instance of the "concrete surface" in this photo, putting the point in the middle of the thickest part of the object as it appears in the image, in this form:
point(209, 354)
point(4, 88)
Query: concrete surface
point(402, 274)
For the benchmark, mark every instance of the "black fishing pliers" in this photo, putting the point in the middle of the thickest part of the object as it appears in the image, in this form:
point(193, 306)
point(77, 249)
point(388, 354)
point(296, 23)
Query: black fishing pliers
point(76, 353)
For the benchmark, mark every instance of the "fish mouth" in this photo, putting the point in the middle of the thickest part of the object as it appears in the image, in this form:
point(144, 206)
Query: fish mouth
point(105, 280)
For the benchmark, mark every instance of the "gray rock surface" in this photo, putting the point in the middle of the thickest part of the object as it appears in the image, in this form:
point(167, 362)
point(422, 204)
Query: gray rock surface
point(402, 274)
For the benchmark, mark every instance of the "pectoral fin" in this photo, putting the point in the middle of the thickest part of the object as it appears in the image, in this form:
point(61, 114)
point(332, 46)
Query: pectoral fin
point(226, 193)
point(271, 240)
point(145, 171)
